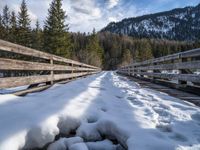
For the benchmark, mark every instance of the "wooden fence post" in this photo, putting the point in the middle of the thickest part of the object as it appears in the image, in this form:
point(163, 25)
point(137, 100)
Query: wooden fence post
point(182, 71)
point(44, 68)
point(52, 72)
point(155, 71)
point(72, 70)
point(135, 71)
point(129, 71)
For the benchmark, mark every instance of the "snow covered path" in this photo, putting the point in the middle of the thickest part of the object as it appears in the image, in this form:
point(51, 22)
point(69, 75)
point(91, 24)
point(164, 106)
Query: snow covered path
point(97, 110)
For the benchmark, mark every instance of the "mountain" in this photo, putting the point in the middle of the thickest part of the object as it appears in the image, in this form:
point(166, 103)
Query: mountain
point(181, 24)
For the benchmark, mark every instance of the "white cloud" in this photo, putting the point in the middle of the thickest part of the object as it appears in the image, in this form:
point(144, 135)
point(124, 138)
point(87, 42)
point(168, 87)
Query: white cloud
point(112, 19)
point(16, 8)
point(33, 17)
point(84, 15)
point(87, 7)
point(112, 3)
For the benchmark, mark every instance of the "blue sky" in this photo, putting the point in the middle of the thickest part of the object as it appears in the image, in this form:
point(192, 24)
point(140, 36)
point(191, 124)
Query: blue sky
point(84, 15)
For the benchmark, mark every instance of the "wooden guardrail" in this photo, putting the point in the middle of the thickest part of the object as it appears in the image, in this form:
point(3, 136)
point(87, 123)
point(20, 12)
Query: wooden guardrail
point(181, 68)
point(20, 66)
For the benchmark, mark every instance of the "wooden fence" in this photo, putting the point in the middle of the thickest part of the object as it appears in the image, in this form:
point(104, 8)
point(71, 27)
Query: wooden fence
point(180, 68)
point(33, 67)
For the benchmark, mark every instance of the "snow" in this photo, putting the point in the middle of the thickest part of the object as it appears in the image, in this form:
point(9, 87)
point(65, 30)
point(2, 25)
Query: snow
point(12, 90)
point(93, 112)
point(89, 131)
point(149, 26)
point(78, 146)
point(101, 145)
point(193, 15)
point(64, 143)
point(181, 16)
point(162, 25)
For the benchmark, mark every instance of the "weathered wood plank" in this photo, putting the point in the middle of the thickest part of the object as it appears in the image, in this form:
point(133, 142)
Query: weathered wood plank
point(10, 47)
point(190, 53)
point(15, 48)
point(11, 64)
point(172, 66)
point(67, 76)
point(186, 54)
point(32, 90)
point(81, 69)
point(183, 77)
point(20, 81)
point(40, 88)
point(60, 59)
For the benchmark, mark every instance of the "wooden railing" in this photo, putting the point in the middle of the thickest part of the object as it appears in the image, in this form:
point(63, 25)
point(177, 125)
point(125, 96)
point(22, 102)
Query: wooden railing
point(20, 66)
point(180, 68)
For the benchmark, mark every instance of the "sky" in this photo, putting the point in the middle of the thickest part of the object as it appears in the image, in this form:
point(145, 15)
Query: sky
point(84, 15)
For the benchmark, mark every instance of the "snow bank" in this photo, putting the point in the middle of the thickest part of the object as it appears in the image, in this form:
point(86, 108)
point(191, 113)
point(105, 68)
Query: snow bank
point(12, 90)
point(78, 146)
point(103, 111)
point(7, 98)
point(65, 143)
point(44, 133)
point(89, 132)
point(68, 124)
point(101, 145)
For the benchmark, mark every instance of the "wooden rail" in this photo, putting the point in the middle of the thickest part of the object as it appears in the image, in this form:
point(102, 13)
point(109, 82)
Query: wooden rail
point(33, 67)
point(180, 68)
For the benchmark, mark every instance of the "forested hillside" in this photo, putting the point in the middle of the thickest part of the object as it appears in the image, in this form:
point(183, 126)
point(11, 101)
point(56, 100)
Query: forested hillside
point(181, 24)
point(103, 49)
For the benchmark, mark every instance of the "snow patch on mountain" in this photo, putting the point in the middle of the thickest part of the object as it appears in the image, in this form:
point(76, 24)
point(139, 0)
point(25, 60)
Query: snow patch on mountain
point(178, 24)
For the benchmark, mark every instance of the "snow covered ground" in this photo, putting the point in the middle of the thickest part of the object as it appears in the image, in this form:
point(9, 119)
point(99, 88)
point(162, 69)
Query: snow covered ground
point(12, 90)
point(101, 112)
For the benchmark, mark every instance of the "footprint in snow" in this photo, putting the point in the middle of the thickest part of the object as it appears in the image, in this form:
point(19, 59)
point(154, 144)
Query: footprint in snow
point(196, 117)
point(151, 96)
point(96, 87)
point(184, 108)
point(179, 137)
point(135, 101)
point(198, 139)
point(131, 98)
point(149, 113)
point(163, 116)
point(123, 79)
point(92, 119)
point(126, 89)
point(164, 106)
point(137, 92)
point(161, 111)
point(164, 127)
point(104, 109)
point(119, 97)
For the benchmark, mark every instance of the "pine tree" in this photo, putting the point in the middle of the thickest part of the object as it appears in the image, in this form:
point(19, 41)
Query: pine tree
point(145, 50)
point(24, 33)
point(13, 29)
point(137, 56)
point(94, 50)
point(37, 37)
point(127, 57)
point(1, 27)
point(6, 22)
point(56, 38)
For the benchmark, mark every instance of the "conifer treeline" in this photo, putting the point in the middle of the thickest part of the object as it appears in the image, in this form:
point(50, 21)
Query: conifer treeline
point(105, 49)
point(121, 50)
